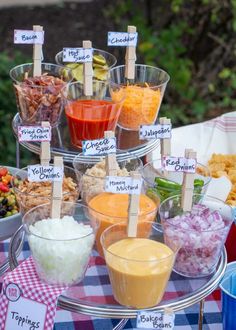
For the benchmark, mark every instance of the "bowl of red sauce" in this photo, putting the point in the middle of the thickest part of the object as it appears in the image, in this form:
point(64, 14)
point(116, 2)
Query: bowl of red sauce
point(89, 117)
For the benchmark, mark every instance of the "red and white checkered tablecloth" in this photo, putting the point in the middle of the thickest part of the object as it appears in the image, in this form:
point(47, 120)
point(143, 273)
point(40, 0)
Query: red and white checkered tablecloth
point(96, 287)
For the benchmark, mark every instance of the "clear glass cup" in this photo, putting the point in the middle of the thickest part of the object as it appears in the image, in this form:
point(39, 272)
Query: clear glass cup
point(91, 173)
point(143, 94)
point(111, 208)
point(31, 194)
point(153, 173)
point(89, 117)
point(201, 233)
point(40, 99)
point(102, 63)
point(139, 268)
point(60, 248)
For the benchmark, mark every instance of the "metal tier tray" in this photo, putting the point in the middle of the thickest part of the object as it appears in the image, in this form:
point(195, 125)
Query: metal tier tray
point(128, 142)
point(184, 291)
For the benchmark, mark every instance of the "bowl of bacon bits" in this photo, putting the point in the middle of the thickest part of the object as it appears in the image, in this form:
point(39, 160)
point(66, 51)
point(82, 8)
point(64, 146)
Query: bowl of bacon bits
point(10, 218)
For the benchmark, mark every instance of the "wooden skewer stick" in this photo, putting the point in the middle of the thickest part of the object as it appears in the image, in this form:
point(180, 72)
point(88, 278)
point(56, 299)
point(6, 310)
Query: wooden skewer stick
point(133, 210)
point(45, 154)
point(37, 54)
point(88, 72)
point(188, 184)
point(56, 198)
point(111, 167)
point(130, 57)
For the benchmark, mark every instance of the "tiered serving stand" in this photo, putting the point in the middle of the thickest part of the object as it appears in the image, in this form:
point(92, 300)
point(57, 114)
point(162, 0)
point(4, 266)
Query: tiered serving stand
point(190, 292)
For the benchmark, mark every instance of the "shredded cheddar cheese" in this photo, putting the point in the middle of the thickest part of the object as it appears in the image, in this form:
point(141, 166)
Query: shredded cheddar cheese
point(140, 107)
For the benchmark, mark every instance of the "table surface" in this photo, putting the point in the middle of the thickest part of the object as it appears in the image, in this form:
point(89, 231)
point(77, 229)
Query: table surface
point(185, 320)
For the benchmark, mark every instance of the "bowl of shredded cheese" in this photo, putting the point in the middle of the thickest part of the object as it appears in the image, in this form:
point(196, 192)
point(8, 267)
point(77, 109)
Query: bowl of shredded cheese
point(143, 94)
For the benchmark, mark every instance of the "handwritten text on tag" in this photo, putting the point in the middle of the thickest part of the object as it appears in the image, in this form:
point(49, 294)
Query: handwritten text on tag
point(18, 318)
point(79, 55)
point(99, 147)
point(122, 39)
point(155, 320)
point(34, 133)
point(149, 132)
point(123, 185)
point(179, 164)
point(37, 173)
point(28, 37)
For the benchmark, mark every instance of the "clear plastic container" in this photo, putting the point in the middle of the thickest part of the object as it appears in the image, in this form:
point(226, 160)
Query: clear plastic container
point(60, 248)
point(154, 175)
point(143, 94)
point(139, 268)
point(89, 117)
point(102, 63)
point(40, 98)
point(201, 233)
point(31, 194)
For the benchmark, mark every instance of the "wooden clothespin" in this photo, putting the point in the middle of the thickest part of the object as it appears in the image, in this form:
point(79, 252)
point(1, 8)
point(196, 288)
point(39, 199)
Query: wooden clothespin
point(130, 57)
point(188, 184)
point(133, 209)
point(45, 154)
point(165, 143)
point(88, 72)
point(37, 54)
point(56, 198)
point(111, 165)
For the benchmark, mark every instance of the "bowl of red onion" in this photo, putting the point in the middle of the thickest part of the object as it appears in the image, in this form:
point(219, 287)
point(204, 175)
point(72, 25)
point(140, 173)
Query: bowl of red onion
point(201, 233)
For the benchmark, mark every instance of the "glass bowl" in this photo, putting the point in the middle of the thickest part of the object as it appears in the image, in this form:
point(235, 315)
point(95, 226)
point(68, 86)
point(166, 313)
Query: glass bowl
point(201, 233)
point(60, 247)
point(32, 194)
point(39, 98)
point(143, 94)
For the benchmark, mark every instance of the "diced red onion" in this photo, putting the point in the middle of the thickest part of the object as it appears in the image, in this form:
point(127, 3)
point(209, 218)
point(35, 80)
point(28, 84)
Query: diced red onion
point(201, 234)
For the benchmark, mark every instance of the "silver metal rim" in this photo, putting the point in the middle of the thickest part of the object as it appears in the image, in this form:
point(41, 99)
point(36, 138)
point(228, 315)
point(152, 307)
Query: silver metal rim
point(109, 311)
point(68, 156)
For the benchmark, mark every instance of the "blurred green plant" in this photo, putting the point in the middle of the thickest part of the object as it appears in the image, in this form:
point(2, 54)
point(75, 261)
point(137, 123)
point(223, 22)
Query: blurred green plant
point(8, 110)
point(194, 41)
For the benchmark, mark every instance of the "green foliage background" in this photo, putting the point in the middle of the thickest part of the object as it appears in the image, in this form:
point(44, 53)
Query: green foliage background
point(8, 110)
point(194, 41)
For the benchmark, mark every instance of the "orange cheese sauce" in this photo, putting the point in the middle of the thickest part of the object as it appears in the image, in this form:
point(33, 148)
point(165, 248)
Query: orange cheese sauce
point(139, 269)
point(110, 208)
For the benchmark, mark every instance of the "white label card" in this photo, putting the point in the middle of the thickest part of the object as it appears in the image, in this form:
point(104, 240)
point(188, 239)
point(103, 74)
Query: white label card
point(78, 55)
point(99, 147)
point(122, 39)
point(34, 133)
point(179, 164)
point(152, 132)
point(28, 37)
point(123, 185)
point(155, 320)
point(25, 314)
point(38, 173)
